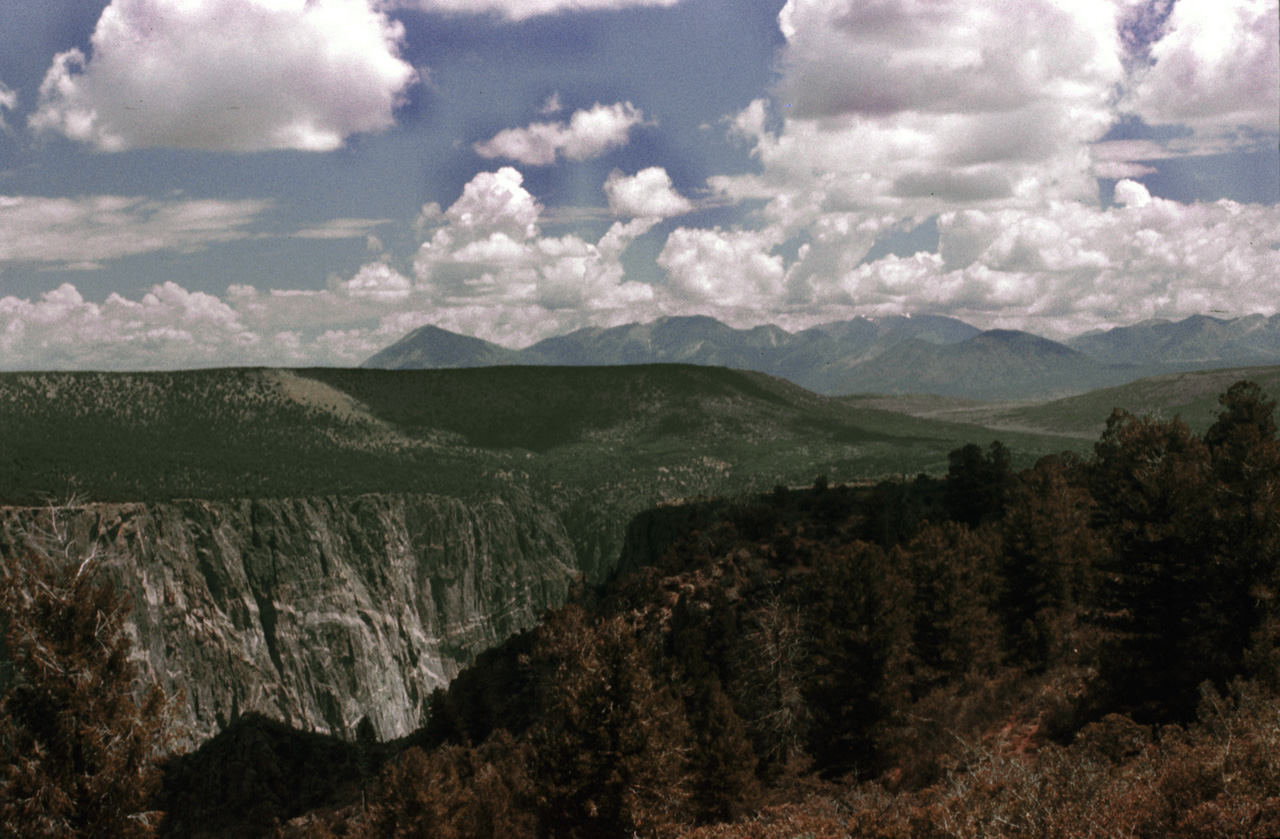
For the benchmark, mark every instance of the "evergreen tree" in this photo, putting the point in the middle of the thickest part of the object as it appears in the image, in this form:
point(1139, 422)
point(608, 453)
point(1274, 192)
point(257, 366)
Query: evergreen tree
point(858, 626)
point(77, 750)
point(1047, 579)
point(1153, 483)
point(1244, 599)
point(977, 484)
point(721, 764)
point(366, 746)
point(955, 631)
point(609, 741)
point(455, 792)
point(768, 687)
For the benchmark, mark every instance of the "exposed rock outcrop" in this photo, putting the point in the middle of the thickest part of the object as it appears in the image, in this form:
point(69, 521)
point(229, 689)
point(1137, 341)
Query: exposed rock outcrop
point(318, 611)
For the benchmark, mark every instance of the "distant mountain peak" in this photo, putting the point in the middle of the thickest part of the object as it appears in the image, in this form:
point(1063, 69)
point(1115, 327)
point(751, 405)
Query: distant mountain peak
point(432, 347)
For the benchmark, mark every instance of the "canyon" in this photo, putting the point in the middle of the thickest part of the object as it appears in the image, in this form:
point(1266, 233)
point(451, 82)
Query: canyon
point(316, 611)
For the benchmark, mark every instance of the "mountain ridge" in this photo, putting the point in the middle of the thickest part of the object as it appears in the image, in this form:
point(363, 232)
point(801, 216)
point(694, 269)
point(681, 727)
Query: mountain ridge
point(895, 354)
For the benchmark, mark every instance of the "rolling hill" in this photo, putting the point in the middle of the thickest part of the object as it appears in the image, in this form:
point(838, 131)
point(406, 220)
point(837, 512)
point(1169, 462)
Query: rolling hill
point(639, 433)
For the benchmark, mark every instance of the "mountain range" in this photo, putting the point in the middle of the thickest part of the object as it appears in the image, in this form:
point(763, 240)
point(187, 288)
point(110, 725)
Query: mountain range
point(894, 355)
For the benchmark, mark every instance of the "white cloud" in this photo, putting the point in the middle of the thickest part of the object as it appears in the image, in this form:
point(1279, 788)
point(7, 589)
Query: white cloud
point(916, 107)
point(493, 202)
point(1217, 68)
point(377, 282)
point(588, 133)
point(8, 102)
point(228, 75)
point(1066, 267)
point(517, 10)
point(648, 193)
point(551, 106)
point(342, 228)
point(749, 124)
point(168, 328)
point(490, 251)
point(730, 269)
point(85, 231)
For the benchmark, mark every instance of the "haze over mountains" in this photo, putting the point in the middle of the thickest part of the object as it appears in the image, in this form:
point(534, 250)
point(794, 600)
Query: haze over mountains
point(896, 354)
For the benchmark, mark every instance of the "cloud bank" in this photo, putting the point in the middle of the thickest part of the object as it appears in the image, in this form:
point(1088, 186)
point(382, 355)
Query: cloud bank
point(486, 268)
point(197, 74)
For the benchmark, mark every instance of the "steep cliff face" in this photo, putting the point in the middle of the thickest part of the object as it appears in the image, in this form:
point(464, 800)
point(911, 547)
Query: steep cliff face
point(318, 611)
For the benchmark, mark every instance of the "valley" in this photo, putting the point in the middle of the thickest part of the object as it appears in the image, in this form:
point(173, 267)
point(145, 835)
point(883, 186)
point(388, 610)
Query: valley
point(266, 520)
point(310, 554)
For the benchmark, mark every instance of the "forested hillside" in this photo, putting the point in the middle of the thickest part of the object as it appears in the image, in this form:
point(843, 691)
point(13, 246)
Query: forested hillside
point(1089, 647)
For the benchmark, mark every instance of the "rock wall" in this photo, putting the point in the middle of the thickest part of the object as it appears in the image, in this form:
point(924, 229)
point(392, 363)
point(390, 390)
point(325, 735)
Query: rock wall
point(318, 611)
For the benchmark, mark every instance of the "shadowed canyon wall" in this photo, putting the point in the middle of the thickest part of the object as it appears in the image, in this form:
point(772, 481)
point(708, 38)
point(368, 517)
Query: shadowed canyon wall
point(318, 611)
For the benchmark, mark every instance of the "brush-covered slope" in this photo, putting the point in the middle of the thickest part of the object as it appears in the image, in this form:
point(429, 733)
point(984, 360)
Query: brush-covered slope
point(282, 433)
point(1193, 396)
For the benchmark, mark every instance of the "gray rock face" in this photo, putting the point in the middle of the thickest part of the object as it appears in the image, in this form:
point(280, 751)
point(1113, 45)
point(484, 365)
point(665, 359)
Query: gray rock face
point(318, 611)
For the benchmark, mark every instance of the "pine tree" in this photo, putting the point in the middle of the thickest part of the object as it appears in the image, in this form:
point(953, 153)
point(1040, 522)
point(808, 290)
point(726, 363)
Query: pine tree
point(1244, 607)
point(977, 484)
point(610, 741)
point(1047, 579)
point(767, 666)
point(956, 631)
point(721, 764)
point(77, 750)
point(1153, 483)
point(858, 629)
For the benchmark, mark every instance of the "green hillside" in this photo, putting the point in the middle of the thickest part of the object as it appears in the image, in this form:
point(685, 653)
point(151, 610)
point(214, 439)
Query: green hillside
point(643, 432)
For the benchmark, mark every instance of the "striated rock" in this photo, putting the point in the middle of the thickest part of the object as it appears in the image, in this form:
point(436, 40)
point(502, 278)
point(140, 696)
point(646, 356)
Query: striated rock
point(318, 611)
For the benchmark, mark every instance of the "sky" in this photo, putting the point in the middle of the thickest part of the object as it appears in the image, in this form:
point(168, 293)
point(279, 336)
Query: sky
point(190, 183)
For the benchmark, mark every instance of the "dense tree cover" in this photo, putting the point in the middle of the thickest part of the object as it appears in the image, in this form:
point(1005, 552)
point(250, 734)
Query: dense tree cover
point(78, 749)
point(1087, 648)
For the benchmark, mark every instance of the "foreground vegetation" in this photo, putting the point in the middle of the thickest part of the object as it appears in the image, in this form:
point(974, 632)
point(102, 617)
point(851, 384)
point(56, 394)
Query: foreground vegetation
point(1088, 647)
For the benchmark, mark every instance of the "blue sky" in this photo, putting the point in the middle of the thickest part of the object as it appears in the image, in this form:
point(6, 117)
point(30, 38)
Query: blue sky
point(207, 182)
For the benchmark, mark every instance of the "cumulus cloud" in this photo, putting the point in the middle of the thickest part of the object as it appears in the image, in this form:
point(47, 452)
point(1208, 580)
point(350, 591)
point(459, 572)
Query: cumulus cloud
point(486, 268)
point(1067, 267)
point(516, 10)
point(168, 327)
point(195, 74)
point(723, 269)
point(920, 107)
point(648, 193)
point(83, 232)
point(1216, 68)
point(490, 251)
point(588, 133)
